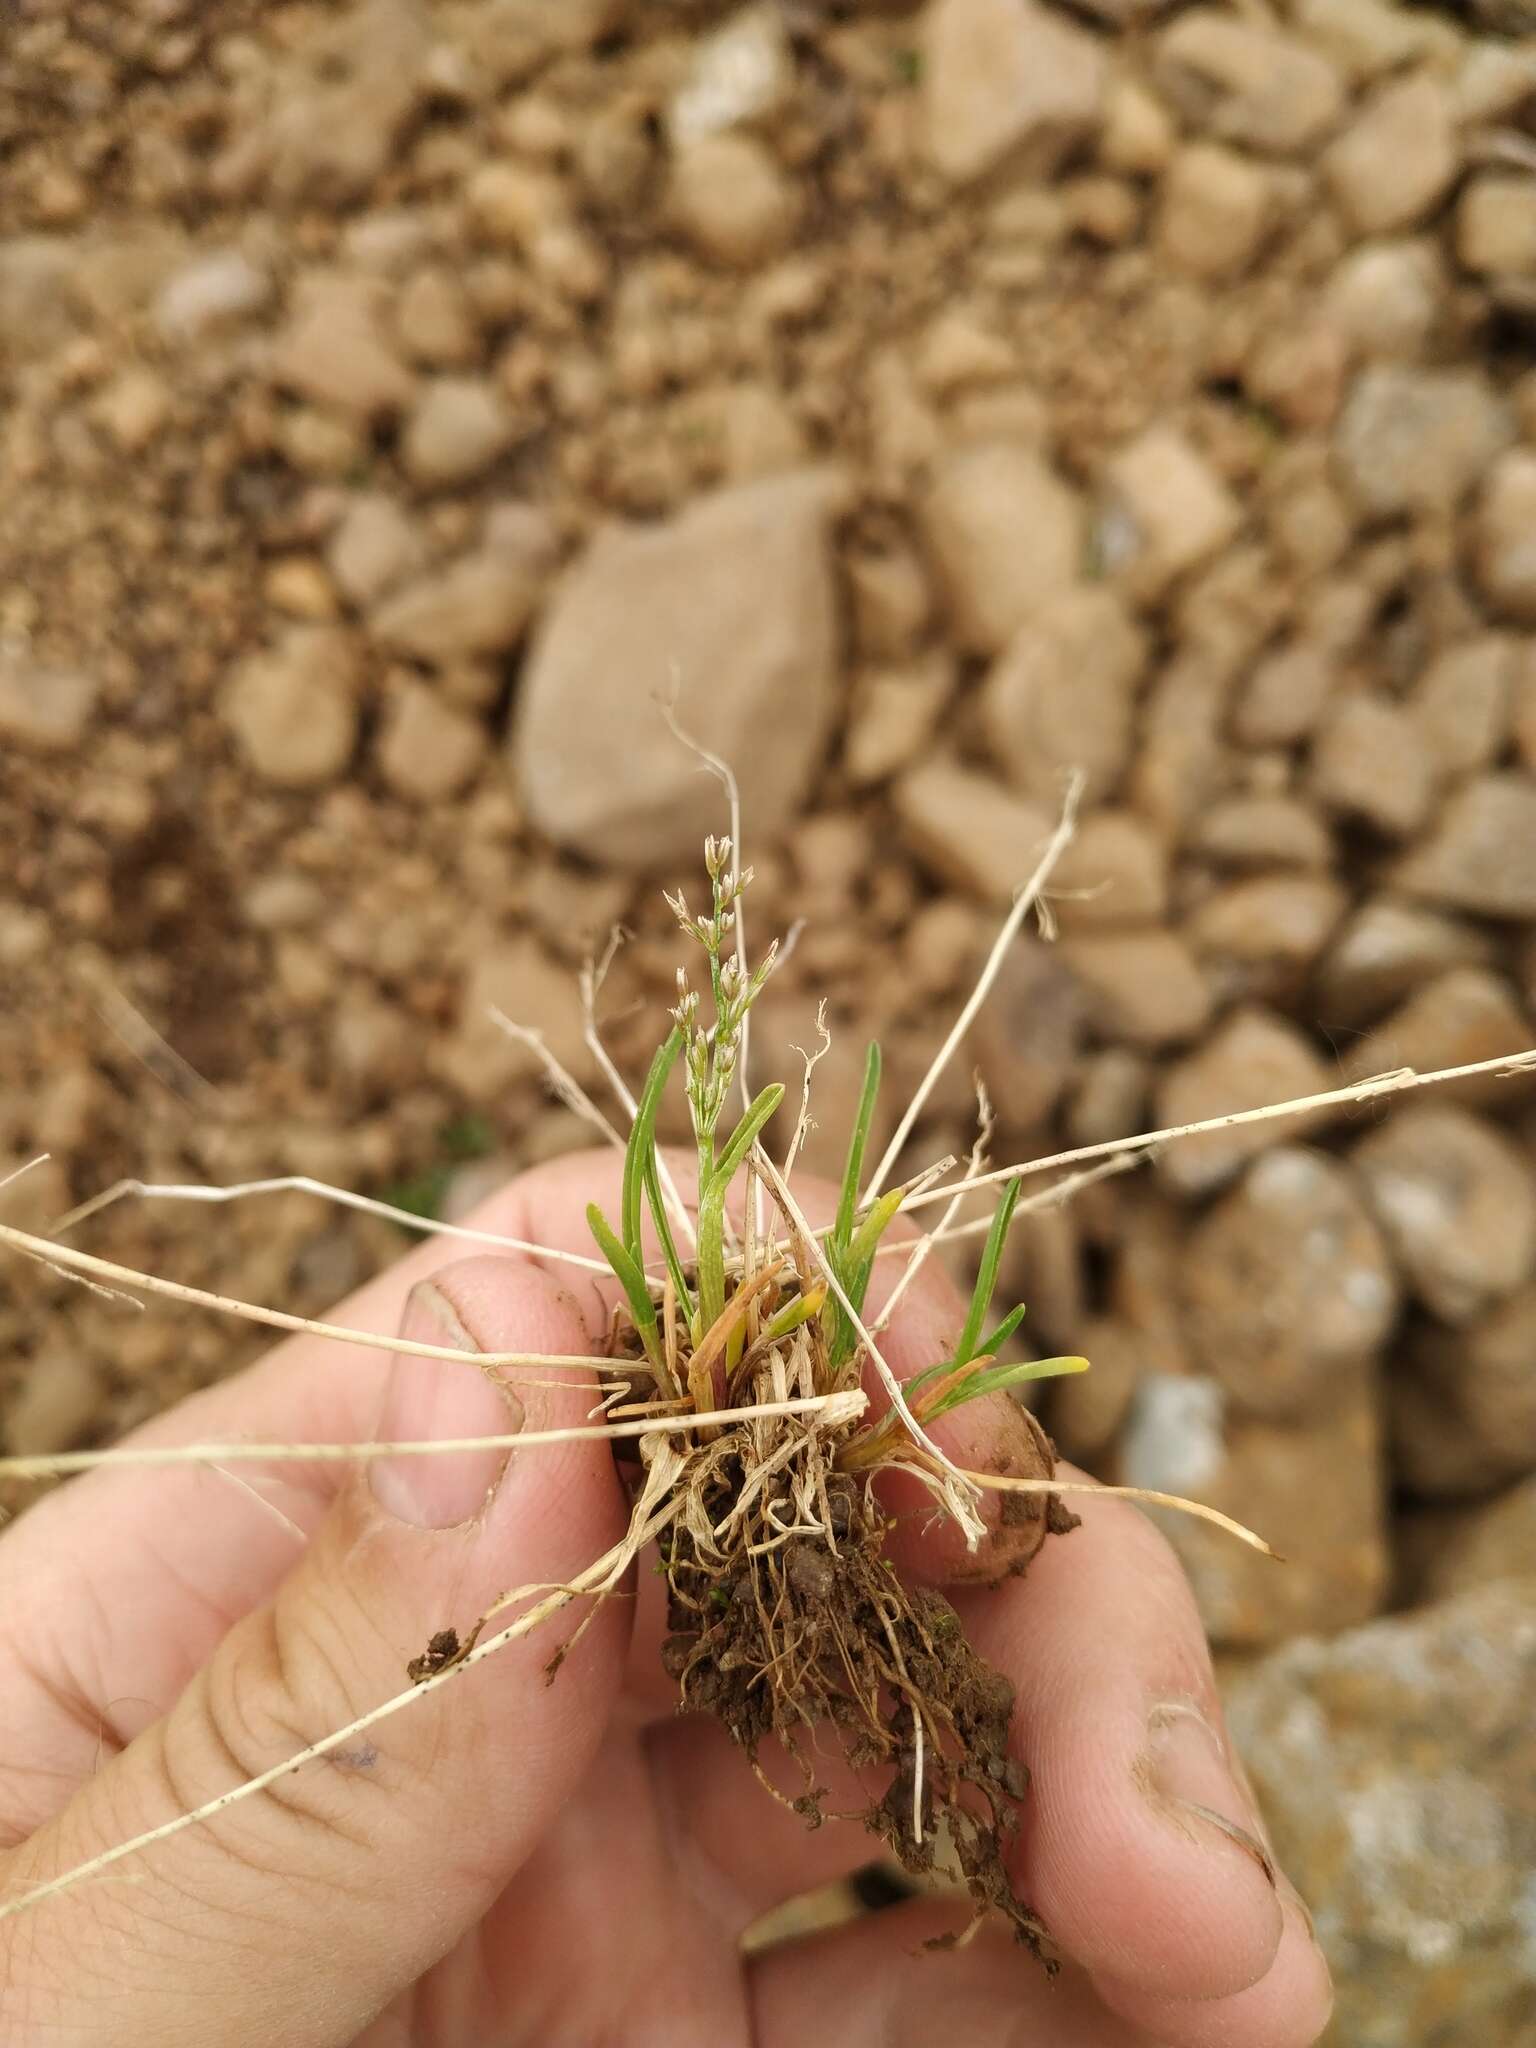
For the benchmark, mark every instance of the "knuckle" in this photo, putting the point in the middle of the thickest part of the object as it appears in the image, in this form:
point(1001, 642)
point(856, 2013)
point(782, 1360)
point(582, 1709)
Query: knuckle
point(278, 1685)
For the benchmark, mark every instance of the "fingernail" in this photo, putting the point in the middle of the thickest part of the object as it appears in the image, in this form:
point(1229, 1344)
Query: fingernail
point(433, 1398)
point(1189, 1779)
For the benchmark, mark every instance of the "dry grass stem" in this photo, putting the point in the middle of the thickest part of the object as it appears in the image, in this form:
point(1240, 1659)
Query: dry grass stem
point(26, 1166)
point(154, 1053)
point(298, 1183)
point(1053, 1197)
point(1400, 1081)
point(593, 975)
point(562, 1081)
point(73, 1264)
point(812, 1062)
point(1023, 903)
point(834, 1410)
point(1001, 1483)
point(268, 1507)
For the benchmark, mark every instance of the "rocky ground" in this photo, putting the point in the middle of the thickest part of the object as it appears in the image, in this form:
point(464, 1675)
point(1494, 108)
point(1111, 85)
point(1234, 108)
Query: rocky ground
point(395, 401)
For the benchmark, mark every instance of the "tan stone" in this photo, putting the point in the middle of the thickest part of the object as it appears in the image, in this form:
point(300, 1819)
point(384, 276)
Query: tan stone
point(1142, 988)
point(1459, 1018)
point(1496, 224)
point(44, 709)
point(731, 603)
point(332, 349)
point(1114, 872)
point(1481, 853)
point(1505, 556)
point(1286, 1285)
point(458, 428)
point(895, 711)
point(1262, 832)
point(1216, 210)
point(1006, 534)
point(980, 836)
point(1417, 440)
point(1397, 158)
point(1312, 1486)
point(1061, 697)
point(733, 201)
point(1386, 951)
point(294, 707)
point(1455, 1198)
point(1254, 1059)
point(1248, 85)
point(427, 750)
point(1181, 513)
point(1369, 761)
point(1005, 78)
point(1279, 922)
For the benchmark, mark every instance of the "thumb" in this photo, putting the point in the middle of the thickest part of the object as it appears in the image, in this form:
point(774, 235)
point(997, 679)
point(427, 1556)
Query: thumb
point(298, 1914)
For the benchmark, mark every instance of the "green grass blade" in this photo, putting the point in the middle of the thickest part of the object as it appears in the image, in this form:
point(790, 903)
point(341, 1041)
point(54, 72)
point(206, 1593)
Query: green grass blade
point(986, 1277)
point(994, 1340)
point(745, 1133)
point(928, 1374)
point(663, 1224)
point(853, 1264)
point(799, 1311)
point(711, 1254)
point(853, 1169)
point(631, 1277)
point(713, 1189)
point(997, 1379)
point(869, 1233)
point(640, 1150)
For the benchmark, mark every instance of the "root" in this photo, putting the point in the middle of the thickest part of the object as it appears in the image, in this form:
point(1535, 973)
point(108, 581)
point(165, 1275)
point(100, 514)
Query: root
point(788, 1621)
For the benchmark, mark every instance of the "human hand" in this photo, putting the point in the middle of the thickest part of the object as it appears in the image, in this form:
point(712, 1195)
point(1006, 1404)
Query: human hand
point(512, 1861)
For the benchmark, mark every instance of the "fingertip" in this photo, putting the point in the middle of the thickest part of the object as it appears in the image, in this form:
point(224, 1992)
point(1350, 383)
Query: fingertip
point(1136, 1882)
point(1132, 1843)
point(571, 1490)
point(1289, 2007)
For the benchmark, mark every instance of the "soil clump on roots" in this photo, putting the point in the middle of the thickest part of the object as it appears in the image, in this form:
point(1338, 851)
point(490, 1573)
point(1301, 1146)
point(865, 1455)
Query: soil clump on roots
point(789, 1623)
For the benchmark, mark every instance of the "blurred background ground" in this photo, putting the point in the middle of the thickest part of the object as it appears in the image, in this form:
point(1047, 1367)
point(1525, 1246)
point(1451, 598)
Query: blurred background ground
point(395, 400)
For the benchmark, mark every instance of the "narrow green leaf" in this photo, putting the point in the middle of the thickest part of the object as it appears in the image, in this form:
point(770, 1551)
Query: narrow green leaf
point(631, 1277)
point(994, 1340)
point(869, 1234)
point(853, 1264)
point(790, 1317)
point(986, 1277)
point(997, 1379)
point(745, 1133)
point(713, 1188)
point(928, 1374)
point(853, 1169)
point(988, 1348)
point(642, 1140)
point(663, 1224)
point(711, 1253)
